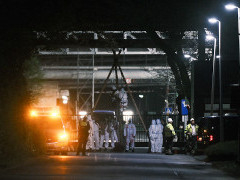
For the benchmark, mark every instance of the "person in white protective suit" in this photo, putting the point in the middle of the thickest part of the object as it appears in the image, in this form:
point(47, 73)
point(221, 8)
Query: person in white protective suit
point(113, 134)
point(95, 135)
point(104, 135)
point(123, 99)
point(153, 136)
point(129, 134)
point(159, 141)
point(90, 142)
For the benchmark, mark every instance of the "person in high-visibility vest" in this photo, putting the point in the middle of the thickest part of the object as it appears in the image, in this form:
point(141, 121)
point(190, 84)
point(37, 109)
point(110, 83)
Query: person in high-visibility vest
point(191, 132)
point(83, 133)
point(169, 136)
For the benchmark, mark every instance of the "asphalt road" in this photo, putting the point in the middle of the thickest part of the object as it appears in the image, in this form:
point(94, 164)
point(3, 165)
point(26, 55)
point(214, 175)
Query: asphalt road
point(113, 166)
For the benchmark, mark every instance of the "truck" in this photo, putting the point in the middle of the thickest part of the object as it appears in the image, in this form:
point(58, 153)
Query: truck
point(46, 114)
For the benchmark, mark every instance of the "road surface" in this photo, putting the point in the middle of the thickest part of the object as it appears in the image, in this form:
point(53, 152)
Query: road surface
point(113, 166)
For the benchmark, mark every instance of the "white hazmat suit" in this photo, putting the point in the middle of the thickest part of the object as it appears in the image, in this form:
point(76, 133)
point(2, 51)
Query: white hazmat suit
point(113, 135)
point(159, 141)
point(104, 136)
point(129, 134)
point(153, 136)
point(96, 135)
point(90, 142)
point(124, 99)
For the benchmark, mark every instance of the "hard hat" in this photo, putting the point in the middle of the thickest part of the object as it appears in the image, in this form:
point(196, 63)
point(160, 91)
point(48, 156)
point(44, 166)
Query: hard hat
point(192, 119)
point(170, 120)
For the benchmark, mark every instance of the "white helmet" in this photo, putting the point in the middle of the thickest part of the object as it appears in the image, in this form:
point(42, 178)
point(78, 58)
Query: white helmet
point(192, 119)
point(170, 120)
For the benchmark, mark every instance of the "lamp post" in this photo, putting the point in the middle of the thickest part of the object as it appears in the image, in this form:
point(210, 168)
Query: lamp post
point(210, 37)
point(232, 7)
point(213, 21)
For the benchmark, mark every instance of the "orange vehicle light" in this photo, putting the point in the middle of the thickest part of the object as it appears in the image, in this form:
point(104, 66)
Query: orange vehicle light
point(199, 138)
point(63, 137)
point(54, 114)
point(33, 113)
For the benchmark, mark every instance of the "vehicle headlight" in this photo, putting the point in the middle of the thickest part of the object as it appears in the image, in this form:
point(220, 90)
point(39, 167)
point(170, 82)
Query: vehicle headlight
point(63, 137)
point(55, 114)
point(33, 113)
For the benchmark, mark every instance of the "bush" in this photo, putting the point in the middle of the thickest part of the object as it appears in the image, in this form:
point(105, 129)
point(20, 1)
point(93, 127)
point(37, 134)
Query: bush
point(222, 151)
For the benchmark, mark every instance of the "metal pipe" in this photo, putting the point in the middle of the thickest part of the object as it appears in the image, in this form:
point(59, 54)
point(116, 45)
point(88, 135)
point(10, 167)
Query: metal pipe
point(107, 67)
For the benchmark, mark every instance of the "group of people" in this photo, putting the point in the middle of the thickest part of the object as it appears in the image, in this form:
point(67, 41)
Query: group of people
point(156, 131)
point(156, 136)
point(91, 135)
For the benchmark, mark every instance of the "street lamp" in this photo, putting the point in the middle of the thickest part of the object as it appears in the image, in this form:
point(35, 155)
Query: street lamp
point(213, 21)
point(210, 38)
point(232, 7)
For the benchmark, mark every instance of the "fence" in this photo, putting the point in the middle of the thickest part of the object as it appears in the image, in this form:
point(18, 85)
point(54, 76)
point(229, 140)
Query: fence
point(141, 138)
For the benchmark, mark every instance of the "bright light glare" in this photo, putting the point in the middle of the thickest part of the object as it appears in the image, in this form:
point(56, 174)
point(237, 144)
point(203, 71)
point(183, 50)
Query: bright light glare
point(230, 6)
point(187, 56)
point(127, 113)
point(82, 113)
point(63, 136)
point(210, 37)
point(218, 56)
point(65, 101)
point(212, 20)
point(140, 95)
point(54, 114)
point(33, 113)
point(65, 97)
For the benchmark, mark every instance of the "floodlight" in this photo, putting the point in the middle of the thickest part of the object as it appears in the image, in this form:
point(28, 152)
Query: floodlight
point(210, 37)
point(230, 6)
point(213, 20)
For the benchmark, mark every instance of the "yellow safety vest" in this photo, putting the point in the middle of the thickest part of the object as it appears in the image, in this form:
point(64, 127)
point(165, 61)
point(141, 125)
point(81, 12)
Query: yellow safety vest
point(169, 130)
point(189, 128)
